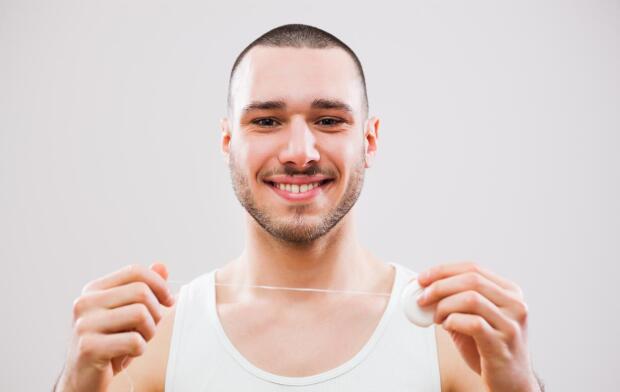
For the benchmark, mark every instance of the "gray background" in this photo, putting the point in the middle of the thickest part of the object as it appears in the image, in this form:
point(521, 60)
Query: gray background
point(498, 144)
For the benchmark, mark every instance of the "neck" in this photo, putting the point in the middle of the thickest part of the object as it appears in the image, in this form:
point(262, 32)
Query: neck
point(334, 261)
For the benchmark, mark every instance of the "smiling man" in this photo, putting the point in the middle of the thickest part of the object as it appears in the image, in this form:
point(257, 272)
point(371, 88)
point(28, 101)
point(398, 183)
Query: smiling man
point(298, 139)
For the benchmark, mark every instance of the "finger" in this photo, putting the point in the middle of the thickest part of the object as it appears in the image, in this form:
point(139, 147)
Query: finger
point(124, 319)
point(135, 273)
point(136, 292)
point(161, 269)
point(472, 302)
point(445, 270)
point(466, 281)
point(487, 339)
point(107, 346)
point(120, 363)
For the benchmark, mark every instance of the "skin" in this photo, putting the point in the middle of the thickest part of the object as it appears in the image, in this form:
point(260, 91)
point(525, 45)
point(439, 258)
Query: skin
point(481, 317)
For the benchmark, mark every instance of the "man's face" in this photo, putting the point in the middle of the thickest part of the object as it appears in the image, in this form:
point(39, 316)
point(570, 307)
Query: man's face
point(297, 141)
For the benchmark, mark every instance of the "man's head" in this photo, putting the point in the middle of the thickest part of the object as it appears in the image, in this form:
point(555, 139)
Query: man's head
point(298, 136)
point(298, 36)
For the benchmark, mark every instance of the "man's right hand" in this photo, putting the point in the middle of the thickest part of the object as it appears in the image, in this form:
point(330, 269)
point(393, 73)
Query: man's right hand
point(113, 319)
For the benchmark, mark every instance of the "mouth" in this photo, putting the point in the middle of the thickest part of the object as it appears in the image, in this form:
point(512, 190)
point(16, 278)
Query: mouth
point(299, 191)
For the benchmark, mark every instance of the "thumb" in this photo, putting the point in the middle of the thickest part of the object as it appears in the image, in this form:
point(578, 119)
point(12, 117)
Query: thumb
point(161, 269)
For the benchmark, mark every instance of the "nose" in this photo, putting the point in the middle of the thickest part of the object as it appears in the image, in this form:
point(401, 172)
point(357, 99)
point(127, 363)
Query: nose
point(300, 148)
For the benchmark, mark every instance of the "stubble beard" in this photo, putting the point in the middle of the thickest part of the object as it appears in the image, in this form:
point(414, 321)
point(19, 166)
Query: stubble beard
point(298, 229)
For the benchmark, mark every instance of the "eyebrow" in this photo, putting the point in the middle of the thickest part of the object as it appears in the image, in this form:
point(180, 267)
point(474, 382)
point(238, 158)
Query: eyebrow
point(321, 103)
point(330, 104)
point(264, 105)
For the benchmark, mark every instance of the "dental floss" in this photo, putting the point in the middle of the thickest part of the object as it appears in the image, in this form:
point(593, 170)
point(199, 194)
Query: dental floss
point(297, 289)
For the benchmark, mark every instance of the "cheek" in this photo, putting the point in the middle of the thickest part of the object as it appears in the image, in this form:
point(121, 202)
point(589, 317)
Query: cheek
point(343, 152)
point(253, 154)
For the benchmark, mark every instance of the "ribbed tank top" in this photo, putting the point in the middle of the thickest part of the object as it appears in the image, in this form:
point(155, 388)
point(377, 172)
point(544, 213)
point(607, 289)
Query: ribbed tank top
point(399, 356)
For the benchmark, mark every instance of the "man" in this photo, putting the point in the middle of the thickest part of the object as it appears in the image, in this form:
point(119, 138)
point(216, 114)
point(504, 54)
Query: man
point(298, 139)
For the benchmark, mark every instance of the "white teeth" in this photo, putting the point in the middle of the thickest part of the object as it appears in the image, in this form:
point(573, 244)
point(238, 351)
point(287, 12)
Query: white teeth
point(295, 188)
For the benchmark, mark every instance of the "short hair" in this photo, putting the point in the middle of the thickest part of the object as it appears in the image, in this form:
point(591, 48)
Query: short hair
point(299, 36)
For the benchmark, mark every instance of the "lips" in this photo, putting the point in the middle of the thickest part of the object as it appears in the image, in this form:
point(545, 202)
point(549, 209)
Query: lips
point(300, 188)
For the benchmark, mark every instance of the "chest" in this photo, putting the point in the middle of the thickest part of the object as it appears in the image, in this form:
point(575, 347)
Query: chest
point(300, 337)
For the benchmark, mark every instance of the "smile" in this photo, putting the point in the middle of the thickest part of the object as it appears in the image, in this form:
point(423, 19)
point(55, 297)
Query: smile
point(299, 191)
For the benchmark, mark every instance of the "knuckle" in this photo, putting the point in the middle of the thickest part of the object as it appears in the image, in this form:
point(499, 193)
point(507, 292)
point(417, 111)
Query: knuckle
point(144, 295)
point(149, 330)
point(448, 321)
point(86, 347)
point(474, 280)
point(472, 298)
point(512, 332)
point(522, 312)
point(80, 326)
point(142, 291)
point(79, 305)
point(439, 312)
point(134, 270)
point(473, 267)
point(141, 314)
point(159, 314)
point(478, 325)
point(137, 343)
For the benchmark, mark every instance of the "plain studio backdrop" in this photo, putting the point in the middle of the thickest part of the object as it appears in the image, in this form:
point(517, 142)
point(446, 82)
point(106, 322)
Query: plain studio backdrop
point(499, 144)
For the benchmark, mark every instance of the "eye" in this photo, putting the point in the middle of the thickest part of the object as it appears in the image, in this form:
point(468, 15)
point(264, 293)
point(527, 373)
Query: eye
point(265, 122)
point(330, 121)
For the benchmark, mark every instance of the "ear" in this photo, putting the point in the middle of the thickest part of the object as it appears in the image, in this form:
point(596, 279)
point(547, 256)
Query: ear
point(225, 138)
point(371, 136)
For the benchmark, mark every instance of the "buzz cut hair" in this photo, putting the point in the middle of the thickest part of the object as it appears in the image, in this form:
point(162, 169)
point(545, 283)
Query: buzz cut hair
point(299, 36)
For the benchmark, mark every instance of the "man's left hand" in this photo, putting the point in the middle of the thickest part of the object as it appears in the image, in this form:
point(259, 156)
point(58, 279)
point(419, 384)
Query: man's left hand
point(487, 319)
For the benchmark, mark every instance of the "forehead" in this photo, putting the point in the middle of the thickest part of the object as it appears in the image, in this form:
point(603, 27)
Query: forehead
point(296, 76)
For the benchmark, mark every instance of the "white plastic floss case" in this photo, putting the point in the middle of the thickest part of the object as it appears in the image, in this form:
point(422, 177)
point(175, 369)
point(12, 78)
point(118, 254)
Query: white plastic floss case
point(422, 316)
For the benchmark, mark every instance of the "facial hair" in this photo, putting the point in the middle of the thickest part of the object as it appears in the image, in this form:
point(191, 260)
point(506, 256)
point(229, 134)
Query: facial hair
point(297, 230)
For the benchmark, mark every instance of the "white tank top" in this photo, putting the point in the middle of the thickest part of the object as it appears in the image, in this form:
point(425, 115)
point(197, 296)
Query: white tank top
point(399, 356)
